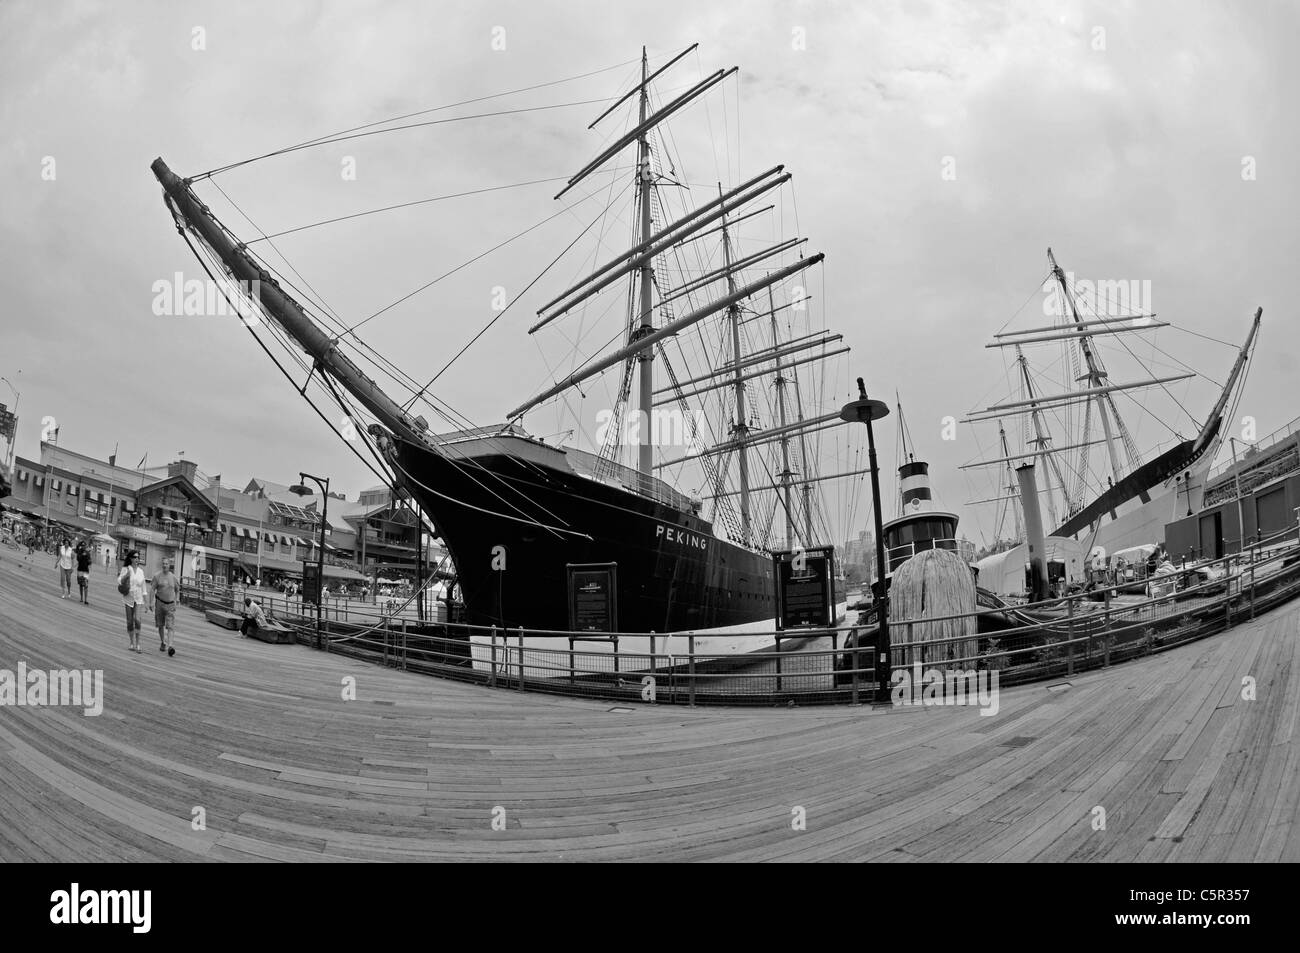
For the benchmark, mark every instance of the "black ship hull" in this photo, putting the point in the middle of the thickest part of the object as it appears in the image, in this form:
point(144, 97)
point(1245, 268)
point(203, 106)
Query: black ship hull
point(512, 525)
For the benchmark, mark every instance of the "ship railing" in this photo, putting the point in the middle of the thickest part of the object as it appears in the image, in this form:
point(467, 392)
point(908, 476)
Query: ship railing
point(1051, 639)
point(897, 555)
point(609, 471)
point(1254, 451)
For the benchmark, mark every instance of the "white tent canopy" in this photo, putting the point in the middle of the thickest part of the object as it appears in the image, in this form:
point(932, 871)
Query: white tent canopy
point(1004, 573)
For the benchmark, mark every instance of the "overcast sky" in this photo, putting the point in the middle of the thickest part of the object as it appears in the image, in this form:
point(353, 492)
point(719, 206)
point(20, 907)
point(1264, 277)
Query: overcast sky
point(938, 150)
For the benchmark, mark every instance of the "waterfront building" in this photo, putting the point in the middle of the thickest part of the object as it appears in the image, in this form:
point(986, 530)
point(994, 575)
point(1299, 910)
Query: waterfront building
point(261, 533)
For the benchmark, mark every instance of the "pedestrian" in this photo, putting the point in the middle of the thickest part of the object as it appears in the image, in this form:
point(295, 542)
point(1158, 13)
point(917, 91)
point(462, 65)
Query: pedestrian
point(165, 589)
point(83, 572)
point(254, 617)
point(131, 584)
point(64, 563)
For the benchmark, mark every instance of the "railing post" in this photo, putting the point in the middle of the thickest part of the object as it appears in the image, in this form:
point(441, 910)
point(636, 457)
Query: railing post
point(492, 672)
point(1069, 635)
point(855, 661)
point(777, 643)
point(521, 658)
point(1106, 662)
point(1252, 588)
point(690, 648)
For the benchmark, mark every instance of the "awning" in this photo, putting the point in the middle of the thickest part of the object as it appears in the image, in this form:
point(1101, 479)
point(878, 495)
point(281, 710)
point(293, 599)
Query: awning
point(338, 572)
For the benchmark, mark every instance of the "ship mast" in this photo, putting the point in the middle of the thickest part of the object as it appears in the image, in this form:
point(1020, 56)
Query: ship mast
point(739, 428)
point(1041, 440)
point(646, 358)
point(906, 450)
point(288, 313)
point(1096, 372)
point(785, 438)
point(1013, 484)
point(803, 455)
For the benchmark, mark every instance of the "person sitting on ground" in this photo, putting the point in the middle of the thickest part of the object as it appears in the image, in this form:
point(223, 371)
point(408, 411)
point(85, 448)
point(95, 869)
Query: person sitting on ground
point(254, 617)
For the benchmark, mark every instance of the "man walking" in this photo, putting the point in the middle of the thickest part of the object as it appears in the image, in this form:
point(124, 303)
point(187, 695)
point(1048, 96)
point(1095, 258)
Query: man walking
point(166, 590)
point(83, 572)
point(131, 584)
point(63, 561)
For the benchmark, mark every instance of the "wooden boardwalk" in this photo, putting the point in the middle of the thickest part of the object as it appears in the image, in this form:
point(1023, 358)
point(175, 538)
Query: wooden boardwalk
point(416, 768)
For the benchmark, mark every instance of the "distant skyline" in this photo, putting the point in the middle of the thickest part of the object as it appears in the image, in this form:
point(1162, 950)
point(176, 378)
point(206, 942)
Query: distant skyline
point(938, 151)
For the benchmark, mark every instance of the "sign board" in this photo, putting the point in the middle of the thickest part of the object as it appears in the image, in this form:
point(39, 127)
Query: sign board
point(7, 423)
point(805, 587)
point(593, 597)
point(311, 583)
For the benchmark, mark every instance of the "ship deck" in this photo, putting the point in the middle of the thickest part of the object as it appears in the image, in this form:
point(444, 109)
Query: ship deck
point(259, 737)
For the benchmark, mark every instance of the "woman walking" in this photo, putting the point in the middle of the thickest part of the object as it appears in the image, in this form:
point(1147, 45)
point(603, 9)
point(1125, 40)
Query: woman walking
point(130, 583)
point(63, 562)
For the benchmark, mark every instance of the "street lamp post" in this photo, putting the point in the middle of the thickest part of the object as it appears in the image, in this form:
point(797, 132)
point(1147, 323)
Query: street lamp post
point(185, 535)
point(13, 436)
point(1236, 475)
point(302, 490)
point(866, 410)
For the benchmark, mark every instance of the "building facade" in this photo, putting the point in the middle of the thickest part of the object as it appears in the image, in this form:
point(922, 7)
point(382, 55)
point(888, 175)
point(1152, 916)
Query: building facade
point(263, 533)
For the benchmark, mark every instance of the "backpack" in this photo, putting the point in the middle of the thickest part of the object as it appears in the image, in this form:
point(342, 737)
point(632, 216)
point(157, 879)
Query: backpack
point(124, 584)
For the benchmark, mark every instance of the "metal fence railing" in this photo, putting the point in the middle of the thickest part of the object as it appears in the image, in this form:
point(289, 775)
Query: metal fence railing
point(1055, 638)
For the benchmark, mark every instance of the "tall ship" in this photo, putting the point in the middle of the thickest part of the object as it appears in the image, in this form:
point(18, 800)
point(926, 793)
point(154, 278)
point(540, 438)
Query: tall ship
point(713, 336)
point(1067, 415)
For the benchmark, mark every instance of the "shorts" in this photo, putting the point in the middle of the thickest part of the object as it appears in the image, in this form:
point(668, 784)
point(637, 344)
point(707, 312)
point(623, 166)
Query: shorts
point(66, 575)
point(83, 579)
point(164, 615)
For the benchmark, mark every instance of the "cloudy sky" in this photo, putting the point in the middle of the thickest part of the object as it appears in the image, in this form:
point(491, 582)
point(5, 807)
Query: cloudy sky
point(938, 150)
